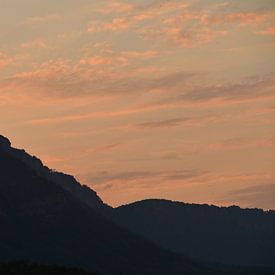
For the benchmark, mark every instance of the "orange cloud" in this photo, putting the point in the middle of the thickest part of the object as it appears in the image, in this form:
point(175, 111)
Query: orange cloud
point(243, 18)
point(37, 20)
point(5, 60)
point(117, 24)
point(242, 143)
point(178, 122)
point(97, 60)
point(107, 148)
point(135, 54)
point(134, 15)
point(112, 6)
point(192, 38)
point(37, 43)
point(184, 25)
point(267, 31)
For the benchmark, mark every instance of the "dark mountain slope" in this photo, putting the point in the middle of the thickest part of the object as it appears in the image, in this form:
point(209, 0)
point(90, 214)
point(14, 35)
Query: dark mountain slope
point(67, 182)
point(229, 235)
point(44, 223)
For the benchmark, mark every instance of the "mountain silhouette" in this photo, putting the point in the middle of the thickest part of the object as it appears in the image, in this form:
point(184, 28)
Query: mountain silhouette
point(68, 182)
point(47, 217)
point(228, 235)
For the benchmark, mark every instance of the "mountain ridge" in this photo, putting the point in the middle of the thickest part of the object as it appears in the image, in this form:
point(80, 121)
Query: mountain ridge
point(55, 201)
point(228, 235)
point(44, 223)
point(67, 182)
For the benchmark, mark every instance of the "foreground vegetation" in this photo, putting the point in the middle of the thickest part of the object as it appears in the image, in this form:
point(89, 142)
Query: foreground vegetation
point(25, 268)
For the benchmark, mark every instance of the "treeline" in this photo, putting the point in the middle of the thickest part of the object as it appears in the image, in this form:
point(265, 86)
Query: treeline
point(25, 268)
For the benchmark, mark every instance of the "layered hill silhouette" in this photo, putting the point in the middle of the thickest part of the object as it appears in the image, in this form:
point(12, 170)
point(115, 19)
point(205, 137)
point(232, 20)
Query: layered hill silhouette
point(47, 217)
point(228, 235)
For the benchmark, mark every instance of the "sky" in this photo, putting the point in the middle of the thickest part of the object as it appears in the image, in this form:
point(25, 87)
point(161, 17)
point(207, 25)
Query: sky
point(145, 99)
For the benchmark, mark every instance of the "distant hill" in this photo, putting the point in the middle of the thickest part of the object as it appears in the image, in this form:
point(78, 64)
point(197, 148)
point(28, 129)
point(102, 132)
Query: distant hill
point(47, 217)
point(228, 235)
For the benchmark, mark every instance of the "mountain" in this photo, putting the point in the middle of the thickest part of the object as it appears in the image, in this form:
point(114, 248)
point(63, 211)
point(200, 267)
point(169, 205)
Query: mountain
point(67, 182)
point(228, 235)
point(44, 223)
point(48, 217)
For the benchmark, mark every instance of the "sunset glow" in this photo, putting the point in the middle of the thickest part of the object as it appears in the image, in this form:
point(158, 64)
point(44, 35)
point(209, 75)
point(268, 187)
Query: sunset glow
point(145, 99)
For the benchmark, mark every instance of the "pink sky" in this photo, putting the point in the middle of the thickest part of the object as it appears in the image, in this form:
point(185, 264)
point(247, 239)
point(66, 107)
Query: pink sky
point(145, 99)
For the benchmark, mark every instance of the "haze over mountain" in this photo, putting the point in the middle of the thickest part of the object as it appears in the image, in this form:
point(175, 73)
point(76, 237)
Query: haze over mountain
point(48, 217)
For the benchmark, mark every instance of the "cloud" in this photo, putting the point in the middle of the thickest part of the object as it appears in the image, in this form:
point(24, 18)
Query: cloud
point(5, 60)
point(38, 20)
point(193, 28)
point(136, 54)
point(242, 143)
point(261, 195)
point(111, 7)
point(186, 37)
point(229, 144)
point(180, 22)
point(105, 177)
point(34, 44)
point(97, 60)
point(117, 24)
point(164, 123)
point(65, 79)
point(108, 57)
point(247, 90)
point(267, 31)
point(134, 14)
point(176, 181)
point(177, 122)
point(107, 148)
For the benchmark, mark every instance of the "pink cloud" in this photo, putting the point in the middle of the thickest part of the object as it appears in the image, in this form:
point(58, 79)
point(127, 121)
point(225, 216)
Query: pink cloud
point(38, 20)
point(267, 31)
point(242, 143)
point(117, 24)
point(184, 25)
point(5, 60)
point(97, 60)
point(37, 43)
point(107, 148)
point(112, 6)
point(135, 15)
point(135, 54)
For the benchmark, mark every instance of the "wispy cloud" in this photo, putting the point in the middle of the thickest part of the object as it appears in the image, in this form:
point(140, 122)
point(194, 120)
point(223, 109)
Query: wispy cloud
point(5, 60)
point(251, 89)
point(178, 122)
point(38, 20)
point(107, 148)
point(261, 195)
point(181, 23)
point(134, 14)
point(129, 176)
point(242, 143)
point(267, 31)
point(34, 44)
